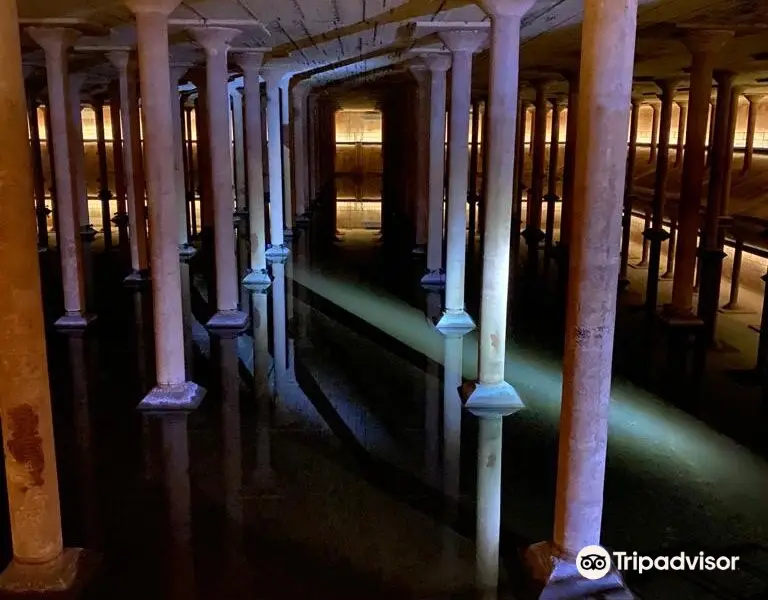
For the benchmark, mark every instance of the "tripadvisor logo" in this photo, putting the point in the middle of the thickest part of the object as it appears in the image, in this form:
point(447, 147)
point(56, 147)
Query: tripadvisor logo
point(594, 562)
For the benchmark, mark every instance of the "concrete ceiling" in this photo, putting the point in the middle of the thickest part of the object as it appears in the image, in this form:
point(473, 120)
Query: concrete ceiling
point(332, 40)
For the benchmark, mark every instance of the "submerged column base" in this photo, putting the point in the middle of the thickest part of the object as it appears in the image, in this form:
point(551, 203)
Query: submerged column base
point(257, 280)
point(137, 278)
point(434, 279)
point(68, 570)
point(455, 322)
point(562, 580)
point(184, 396)
point(74, 321)
point(228, 319)
point(491, 399)
point(278, 252)
point(288, 233)
point(186, 251)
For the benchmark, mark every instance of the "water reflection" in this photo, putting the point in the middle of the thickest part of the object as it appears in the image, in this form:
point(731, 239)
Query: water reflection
point(263, 475)
point(186, 318)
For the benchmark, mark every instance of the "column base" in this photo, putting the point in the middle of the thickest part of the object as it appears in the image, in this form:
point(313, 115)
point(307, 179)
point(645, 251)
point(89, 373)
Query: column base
point(303, 220)
point(455, 322)
point(87, 233)
point(41, 249)
point(641, 266)
point(278, 253)
point(667, 276)
point(679, 319)
point(734, 309)
point(228, 319)
point(69, 570)
point(184, 396)
point(288, 234)
point(491, 399)
point(419, 251)
point(533, 235)
point(186, 251)
point(434, 279)
point(257, 280)
point(562, 580)
point(137, 278)
point(75, 321)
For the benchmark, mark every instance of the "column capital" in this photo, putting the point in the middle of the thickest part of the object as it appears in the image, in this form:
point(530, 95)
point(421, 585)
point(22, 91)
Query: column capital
point(163, 7)
point(54, 40)
point(300, 93)
point(705, 41)
point(464, 40)
point(437, 63)
point(557, 102)
point(214, 40)
point(668, 85)
point(178, 70)
point(119, 59)
point(723, 77)
point(76, 80)
point(249, 62)
point(274, 71)
point(755, 98)
point(507, 8)
point(682, 103)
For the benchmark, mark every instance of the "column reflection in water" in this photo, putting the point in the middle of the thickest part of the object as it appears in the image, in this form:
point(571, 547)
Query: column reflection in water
point(291, 314)
point(432, 407)
point(175, 471)
point(280, 341)
point(86, 476)
point(263, 476)
point(453, 359)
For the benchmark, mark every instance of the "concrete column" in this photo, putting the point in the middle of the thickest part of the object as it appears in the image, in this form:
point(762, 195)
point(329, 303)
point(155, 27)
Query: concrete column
point(712, 254)
point(626, 219)
point(285, 129)
point(519, 189)
point(607, 57)
point(238, 138)
point(670, 271)
point(77, 148)
point(754, 103)
point(681, 126)
point(492, 397)
point(40, 564)
point(462, 44)
point(121, 216)
point(257, 278)
point(300, 165)
point(533, 233)
point(643, 264)
point(438, 66)
point(41, 211)
point(277, 248)
point(657, 235)
point(762, 345)
point(552, 197)
point(711, 131)
point(172, 390)
point(704, 45)
point(204, 160)
point(421, 75)
point(176, 73)
point(105, 195)
point(473, 155)
point(133, 165)
point(566, 214)
point(55, 42)
point(656, 107)
point(216, 42)
point(191, 170)
point(733, 299)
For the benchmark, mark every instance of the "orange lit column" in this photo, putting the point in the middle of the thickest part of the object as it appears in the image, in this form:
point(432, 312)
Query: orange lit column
point(681, 125)
point(754, 103)
point(41, 211)
point(656, 108)
point(55, 42)
point(133, 167)
point(185, 250)
point(172, 391)
point(40, 564)
point(552, 197)
point(105, 195)
point(533, 233)
point(607, 60)
point(77, 149)
point(121, 216)
point(704, 45)
point(626, 219)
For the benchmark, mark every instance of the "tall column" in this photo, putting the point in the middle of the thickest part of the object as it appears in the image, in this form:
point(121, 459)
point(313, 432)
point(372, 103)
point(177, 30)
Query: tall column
point(704, 45)
point(77, 148)
point(172, 390)
point(493, 398)
point(41, 211)
point(462, 44)
point(185, 250)
point(552, 197)
point(626, 219)
point(192, 170)
point(656, 108)
point(566, 211)
point(733, 297)
point(285, 129)
point(105, 195)
point(533, 233)
point(216, 42)
point(238, 138)
point(257, 278)
point(681, 126)
point(754, 103)
point(40, 564)
point(607, 57)
point(670, 271)
point(438, 66)
point(300, 165)
point(711, 130)
point(421, 75)
point(519, 185)
point(277, 248)
point(657, 235)
point(712, 254)
point(133, 164)
point(121, 216)
point(55, 42)
point(473, 154)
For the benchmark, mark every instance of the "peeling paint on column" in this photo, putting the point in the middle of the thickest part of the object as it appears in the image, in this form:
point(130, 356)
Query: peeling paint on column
point(26, 445)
